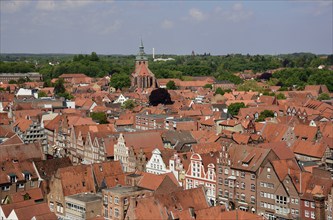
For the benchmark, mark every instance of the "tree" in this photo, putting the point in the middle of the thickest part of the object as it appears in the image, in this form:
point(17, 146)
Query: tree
point(160, 96)
point(94, 57)
point(265, 76)
point(12, 81)
point(220, 91)
point(67, 95)
point(249, 85)
point(324, 96)
point(47, 83)
point(233, 108)
point(171, 85)
point(265, 114)
point(120, 81)
point(59, 87)
point(129, 104)
point(208, 86)
point(99, 117)
point(42, 94)
point(280, 96)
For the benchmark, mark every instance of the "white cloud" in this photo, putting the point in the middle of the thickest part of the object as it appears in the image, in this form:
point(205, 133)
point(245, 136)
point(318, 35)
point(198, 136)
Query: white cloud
point(50, 5)
point(12, 6)
point(238, 13)
point(167, 24)
point(196, 14)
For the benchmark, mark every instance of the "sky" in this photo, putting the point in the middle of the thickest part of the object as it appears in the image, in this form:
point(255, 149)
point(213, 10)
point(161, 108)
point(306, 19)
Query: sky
point(171, 27)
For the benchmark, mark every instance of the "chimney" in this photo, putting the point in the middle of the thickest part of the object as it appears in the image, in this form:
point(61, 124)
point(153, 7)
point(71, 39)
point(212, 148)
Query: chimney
point(133, 202)
point(319, 206)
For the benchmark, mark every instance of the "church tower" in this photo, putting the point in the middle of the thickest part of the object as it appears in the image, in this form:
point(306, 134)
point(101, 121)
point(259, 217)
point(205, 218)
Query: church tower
point(142, 77)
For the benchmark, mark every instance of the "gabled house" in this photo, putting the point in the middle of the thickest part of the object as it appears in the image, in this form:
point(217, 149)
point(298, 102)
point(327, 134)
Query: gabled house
point(137, 140)
point(69, 181)
point(238, 167)
point(202, 171)
point(121, 99)
point(159, 161)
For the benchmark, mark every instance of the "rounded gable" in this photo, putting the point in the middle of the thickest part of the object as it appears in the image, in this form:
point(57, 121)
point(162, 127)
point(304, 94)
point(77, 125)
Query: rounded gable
point(196, 157)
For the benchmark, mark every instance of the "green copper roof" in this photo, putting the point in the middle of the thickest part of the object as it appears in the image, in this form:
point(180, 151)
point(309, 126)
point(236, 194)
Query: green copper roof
point(141, 55)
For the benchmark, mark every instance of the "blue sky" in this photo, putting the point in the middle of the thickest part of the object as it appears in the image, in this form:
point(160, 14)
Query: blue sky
point(171, 27)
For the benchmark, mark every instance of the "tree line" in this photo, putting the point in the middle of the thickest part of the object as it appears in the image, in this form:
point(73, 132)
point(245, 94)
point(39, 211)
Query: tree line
point(301, 68)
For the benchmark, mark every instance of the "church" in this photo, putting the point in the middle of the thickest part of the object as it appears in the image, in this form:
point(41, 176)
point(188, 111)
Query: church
point(142, 77)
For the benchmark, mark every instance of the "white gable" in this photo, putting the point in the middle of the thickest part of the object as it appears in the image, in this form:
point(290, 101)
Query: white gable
point(24, 92)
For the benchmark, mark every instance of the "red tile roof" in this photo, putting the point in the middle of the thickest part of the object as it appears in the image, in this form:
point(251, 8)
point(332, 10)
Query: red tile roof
point(106, 169)
point(35, 194)
point(309, 148)
point(149, 139)
point(76, 179)
point(20, 151)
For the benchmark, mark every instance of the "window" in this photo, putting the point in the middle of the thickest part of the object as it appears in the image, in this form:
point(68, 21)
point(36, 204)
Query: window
point(281, 199)
point(116, 212)
point(296, 201)
point(110, 199)
point(243, 197)
point(253, 187)
point(105, 212)
point(268, 176)
point(226, 182)
point(226, 171)
point(27, 176)
point(60, 209)
point(306, 203)
point(20, 185)
point(253, 199)
point(220, 181)
point(12, 178)
point(313, 215)
point(105, 199)
point(125, 201)
point(116, 200)
point(312, 205)
point(253, 176)
point(32, 183)
point(220, 170)
point(243, 174)
point(111, 212)
point(242, 185)
point(5, 188)
point(226, 193)
point(51, 206)
point(306, 213)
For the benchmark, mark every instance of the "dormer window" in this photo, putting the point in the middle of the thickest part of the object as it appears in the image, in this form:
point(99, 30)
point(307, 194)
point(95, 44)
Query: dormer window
point(26, 175)
point(12, 178)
